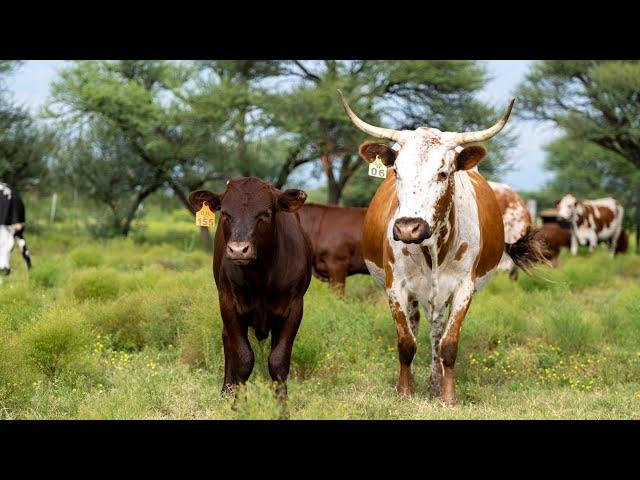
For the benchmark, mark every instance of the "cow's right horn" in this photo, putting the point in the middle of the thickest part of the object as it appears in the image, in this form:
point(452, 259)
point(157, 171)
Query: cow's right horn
point(377, 132)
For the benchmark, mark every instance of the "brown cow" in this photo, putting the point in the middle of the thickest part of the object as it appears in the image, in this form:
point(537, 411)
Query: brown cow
point(336, 234)
point(554, 236)
point(433, 235)
point(262, 269)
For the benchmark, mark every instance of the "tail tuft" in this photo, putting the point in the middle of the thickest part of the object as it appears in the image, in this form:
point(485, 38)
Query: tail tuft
point(528, 250)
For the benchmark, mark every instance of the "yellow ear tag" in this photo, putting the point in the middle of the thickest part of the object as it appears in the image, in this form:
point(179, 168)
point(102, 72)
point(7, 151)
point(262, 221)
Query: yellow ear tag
point(205, 217)
point(377, 168)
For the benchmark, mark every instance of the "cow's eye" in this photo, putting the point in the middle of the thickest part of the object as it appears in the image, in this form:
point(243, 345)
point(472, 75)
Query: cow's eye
point(442, 175)
point(266, 215)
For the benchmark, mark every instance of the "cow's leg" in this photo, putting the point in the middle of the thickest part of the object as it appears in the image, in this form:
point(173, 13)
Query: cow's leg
point(7, 242)
point(448, 347)
point(22, 244)
point(437, 329)
point(283, 333)
point(593, 241)
point(406, 314)
point(238, 355)
point(614, 240)
point(337, 275)
point(574, 244)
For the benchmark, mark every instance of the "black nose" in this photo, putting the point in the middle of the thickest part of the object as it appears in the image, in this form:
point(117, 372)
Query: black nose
point(411, 230)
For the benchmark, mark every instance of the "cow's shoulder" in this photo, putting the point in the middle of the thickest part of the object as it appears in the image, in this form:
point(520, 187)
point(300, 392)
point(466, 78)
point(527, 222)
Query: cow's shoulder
point(376, 221)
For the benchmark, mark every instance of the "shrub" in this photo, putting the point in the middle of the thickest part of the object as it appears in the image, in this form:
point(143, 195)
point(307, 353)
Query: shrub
point(16, 375)
point(48, 272)
point(58, 341)
point(19, 304)
point(86, 256)
point(94, 283)
point(568, 324)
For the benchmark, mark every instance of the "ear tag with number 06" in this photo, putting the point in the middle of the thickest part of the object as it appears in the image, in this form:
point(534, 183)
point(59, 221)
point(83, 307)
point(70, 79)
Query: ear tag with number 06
point(205, 217)
point(377, 168)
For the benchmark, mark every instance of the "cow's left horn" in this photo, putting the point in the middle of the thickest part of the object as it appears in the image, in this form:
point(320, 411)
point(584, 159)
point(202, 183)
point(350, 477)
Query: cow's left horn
point(482, 135)
point(377, 132)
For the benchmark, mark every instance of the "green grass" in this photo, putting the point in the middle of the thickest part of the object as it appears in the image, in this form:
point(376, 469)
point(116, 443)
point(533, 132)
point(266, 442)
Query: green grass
point(130, 328)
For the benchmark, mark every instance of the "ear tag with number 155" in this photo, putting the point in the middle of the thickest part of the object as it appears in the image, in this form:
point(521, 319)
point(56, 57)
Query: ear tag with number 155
point(377, 168)
point(205, 217)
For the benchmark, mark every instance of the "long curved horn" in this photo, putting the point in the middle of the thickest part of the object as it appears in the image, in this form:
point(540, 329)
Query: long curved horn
point(377, 132)
point(482, 135)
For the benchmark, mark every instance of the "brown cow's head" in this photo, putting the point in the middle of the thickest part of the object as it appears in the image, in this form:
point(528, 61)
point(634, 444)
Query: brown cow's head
point(247, 215)
point(424, 171)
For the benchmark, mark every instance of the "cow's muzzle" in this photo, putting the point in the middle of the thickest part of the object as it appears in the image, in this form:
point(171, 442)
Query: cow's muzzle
point(241, 253)
point(411, 230)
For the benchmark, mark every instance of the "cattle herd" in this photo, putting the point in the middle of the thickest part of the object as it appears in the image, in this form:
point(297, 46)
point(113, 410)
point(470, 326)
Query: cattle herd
point(434, 233)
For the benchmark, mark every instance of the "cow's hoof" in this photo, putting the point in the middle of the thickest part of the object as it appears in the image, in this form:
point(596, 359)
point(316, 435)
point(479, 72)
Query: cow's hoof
point(449, 399)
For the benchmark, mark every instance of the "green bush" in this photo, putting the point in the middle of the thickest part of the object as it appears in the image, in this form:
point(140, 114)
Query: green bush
point(86, 256)
point(48, 272)
point(58, 342)
point(16, 375)
point(94, 284)
point(568, 324)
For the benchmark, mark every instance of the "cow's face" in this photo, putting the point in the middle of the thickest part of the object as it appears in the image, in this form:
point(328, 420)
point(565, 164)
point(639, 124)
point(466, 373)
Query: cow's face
point(567, 207)
point(7, 241)
point(247, 215)
point(424, 174)
point(424, 170)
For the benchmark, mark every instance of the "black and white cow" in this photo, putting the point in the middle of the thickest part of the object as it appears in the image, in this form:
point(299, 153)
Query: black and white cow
point(12, 222)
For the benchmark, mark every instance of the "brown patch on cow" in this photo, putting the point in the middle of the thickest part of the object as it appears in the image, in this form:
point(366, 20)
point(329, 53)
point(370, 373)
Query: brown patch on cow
point(604, 218)
point(382, 208)
point(491, 226)
point(461, 250)
point(405, 251)
point(388, 259)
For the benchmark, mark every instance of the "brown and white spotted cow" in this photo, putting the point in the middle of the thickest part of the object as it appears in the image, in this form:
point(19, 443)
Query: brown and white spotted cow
point(433, 235)
point(516, 219)
point(592, 221)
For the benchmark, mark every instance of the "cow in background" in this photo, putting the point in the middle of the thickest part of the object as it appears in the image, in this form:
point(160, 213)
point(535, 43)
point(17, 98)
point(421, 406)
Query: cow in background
point(516, 219)
point(12, 218)
point(336, 236)
point(592, 221)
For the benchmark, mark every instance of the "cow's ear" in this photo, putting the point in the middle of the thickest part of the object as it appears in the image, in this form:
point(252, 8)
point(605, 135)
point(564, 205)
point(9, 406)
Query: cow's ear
point(470, 157)
point(197, 198)
point(370, 150)
point(291, 200)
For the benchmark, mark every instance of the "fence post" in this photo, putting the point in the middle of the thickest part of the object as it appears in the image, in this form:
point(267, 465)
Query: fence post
point(54, 199)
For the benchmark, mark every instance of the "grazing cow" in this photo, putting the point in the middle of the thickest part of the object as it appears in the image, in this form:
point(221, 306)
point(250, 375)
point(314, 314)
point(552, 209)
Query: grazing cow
point(12, 227)
point(592, 221)
point(555, 236)
point(516, 219)
point(336, 236)
point(262, 269)
point(433, 235)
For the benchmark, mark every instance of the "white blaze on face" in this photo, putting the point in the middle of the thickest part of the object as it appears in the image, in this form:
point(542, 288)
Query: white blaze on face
point(423, 169)
point(7, 241)
point(567, 207)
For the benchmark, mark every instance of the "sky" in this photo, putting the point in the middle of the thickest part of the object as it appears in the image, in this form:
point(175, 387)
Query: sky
point(30, 86)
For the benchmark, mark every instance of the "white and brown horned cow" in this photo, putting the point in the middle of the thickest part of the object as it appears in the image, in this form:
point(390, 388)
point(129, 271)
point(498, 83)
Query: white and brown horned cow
point(516, 219)
point(433, 235)
point(592, 221)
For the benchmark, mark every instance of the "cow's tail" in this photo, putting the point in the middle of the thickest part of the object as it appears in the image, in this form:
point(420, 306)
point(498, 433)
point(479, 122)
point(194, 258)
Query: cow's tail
point(22, 244)
point(528, 250)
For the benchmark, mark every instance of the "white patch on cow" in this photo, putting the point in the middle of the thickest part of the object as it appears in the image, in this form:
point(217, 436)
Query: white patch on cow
point(424, 156)
point(7, 242)
point(5, 190)
point(376, 272)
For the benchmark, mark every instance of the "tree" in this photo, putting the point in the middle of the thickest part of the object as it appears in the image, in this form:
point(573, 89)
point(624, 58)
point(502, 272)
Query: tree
point(25, 145)
point(594, 101)
point(149, 105)
point(400, 94)
point(102, 167)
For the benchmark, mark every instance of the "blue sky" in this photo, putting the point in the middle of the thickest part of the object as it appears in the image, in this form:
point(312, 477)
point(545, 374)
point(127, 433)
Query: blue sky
point(30, 86)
